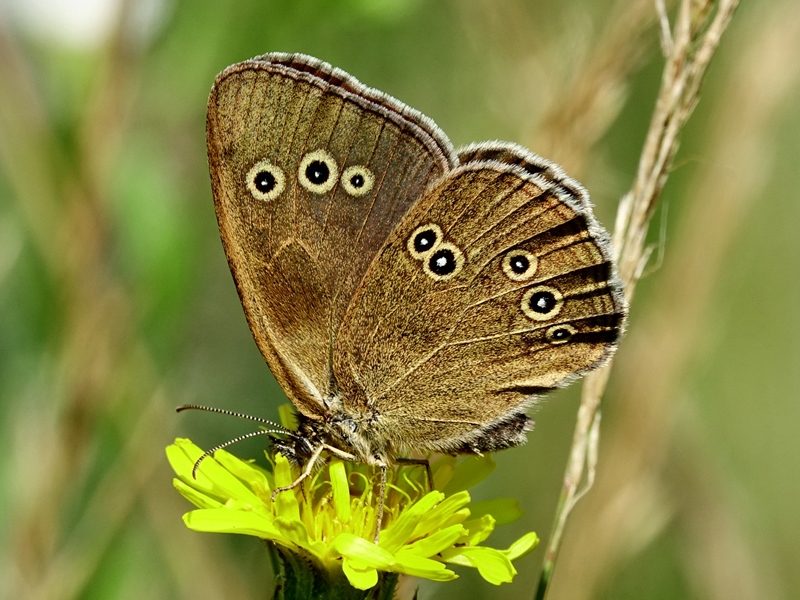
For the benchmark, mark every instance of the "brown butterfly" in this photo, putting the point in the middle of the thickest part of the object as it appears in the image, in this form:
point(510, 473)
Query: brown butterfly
point(408, 298)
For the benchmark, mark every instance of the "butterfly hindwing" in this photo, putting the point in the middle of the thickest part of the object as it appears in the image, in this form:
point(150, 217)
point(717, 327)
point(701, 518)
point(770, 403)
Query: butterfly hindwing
point(497, 286)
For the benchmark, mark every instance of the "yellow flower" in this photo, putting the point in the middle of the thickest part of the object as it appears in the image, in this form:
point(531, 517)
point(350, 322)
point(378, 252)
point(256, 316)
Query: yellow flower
point(330, 518)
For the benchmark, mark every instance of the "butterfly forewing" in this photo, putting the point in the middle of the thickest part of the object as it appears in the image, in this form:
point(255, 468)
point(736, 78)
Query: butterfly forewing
point(497, 285)
point(311, 171)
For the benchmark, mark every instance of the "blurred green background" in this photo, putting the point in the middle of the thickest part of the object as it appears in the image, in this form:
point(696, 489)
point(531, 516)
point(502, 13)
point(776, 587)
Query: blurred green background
point(116, 303)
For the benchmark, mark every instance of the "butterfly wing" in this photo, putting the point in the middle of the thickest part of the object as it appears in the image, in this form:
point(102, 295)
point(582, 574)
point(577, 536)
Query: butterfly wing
point(311, 171)
point(497, 286)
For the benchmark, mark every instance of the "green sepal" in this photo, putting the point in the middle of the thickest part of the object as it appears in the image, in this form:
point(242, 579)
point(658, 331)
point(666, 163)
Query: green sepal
point(470, 472)
point(503, 510)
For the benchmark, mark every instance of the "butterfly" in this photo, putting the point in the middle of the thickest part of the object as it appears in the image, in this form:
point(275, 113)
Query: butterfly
point(409, 298)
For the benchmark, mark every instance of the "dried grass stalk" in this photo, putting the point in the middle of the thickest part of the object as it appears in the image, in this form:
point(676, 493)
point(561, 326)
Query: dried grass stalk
point(693, 40)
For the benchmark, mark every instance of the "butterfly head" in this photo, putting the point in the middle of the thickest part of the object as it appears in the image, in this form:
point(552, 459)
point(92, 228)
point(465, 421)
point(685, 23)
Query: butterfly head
point(298, 446)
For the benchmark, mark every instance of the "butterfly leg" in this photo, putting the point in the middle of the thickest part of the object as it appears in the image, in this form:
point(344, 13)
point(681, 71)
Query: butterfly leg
point(306, 472)
point(381, 499)
point(312, 461)
point(420, 461)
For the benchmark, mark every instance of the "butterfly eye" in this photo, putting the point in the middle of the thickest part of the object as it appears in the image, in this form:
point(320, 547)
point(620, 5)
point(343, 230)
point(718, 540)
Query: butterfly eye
point(265, 181)
point(520, 265)
point(445, 262)
point(424, 239)
point(542, 303)
point(357, 180)
point(318, 172)
point(560, 334)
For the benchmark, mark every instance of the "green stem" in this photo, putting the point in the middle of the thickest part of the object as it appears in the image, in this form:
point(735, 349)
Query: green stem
point(554, 544)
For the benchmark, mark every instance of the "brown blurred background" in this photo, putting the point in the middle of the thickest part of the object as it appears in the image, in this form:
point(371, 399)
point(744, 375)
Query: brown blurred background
point(116, 304)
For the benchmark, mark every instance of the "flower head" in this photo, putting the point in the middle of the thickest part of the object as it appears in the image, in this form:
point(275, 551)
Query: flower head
point(331, 517)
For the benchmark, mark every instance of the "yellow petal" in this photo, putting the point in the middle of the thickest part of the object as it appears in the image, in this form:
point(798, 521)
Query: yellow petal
point(433, 544)
point(492, 564)
point(293, 530)
point(286, 504)
point(440, 515)
point(199, 499)
point(417, 566)
point(223, 520)
point(401, 530)
point(522, 546)
point(341, 491)
point(479, 530)
point(253, 475)
point(367, 553)
point(359, 578)
point(212, 478)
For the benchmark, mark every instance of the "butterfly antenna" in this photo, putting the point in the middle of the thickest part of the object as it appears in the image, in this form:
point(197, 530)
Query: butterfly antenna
point(232, 413)
point(208, 453)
